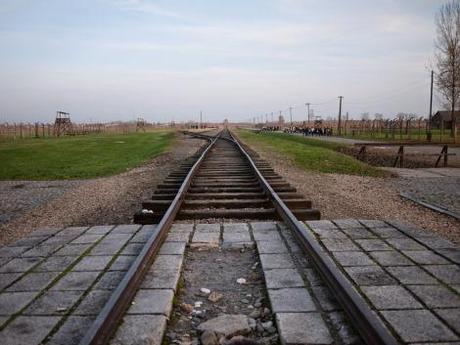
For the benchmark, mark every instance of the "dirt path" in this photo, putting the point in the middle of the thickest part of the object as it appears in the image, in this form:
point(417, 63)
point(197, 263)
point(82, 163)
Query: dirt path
point(107, 200)
point(350, 196)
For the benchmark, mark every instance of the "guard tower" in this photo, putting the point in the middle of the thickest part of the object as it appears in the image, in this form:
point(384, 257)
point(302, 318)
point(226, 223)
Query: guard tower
point(140, 124)
point(62, 124)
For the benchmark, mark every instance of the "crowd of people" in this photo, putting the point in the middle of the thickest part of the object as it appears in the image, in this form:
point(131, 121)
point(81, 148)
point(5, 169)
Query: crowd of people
point(306, 131)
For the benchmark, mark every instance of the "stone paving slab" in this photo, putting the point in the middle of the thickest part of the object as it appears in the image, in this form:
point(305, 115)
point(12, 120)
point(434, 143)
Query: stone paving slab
point(302, 329)
point(408, 276)
point(140, 329)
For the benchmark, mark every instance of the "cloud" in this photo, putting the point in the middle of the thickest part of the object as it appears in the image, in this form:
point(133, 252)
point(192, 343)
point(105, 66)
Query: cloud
point(147, 7)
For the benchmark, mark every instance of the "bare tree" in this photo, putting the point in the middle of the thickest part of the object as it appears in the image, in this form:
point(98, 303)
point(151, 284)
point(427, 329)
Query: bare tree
point(448, 56)
point(365, 116)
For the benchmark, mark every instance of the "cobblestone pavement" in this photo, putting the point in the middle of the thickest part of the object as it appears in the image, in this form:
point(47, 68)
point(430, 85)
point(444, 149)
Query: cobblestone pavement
point(18, 197)
point(54, 282)
point(441, 192)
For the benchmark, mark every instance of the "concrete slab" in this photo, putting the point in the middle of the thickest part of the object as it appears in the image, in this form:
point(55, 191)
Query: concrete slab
point(425, 257)
point(291, 300)
point(53, 303)
point(161, 279)
point(449, 274)
point(270, 261)
point(33, 281)
point(109, 280)
point(178, 237)
point(391, 297)
point(72, 331)
point(302, 329)
point(266, 235)
point(411, 275)
point(76, 281)
point(93, 302)
point(339, 245)
point(30, 330)
point(168, 262)
point(271, 247)
point(370, 275)
point(436, 296)
point(205, 239)
point(56, 264)
point(99, 229)
point(122, 263)
point(173, 248)
point(140, 329)
point(418, 325)
point(370, 245)
point(283, 278)
point(92, 263)
point(18, 265)
point(207, 228)
point(353, 259)
point(12, 302)
point(390, 258)
point(152, 301)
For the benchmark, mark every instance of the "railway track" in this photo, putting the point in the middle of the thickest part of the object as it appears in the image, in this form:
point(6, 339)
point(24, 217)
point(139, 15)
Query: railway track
point(226, 181)
point(225, 187)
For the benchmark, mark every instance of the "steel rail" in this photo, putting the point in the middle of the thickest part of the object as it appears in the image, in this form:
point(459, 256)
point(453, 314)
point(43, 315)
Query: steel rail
point(368, 325)
point(111, 314)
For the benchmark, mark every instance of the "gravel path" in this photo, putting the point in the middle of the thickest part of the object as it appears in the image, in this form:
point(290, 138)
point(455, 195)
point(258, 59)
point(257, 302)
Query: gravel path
point(107, 200)
point(350, 196)
point(18, 197)
point(439, 191)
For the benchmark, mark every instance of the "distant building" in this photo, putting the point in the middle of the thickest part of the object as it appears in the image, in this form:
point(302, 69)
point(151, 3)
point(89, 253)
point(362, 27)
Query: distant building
point(444, 116)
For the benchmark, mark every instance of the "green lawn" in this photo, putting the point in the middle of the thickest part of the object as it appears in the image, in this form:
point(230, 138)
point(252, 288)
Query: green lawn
point(310, 154)
point(79, 157)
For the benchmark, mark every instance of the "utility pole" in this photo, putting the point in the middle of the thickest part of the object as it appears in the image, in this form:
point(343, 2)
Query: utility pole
point(266, 118)
point(428, 134)
point(272, 116)
point(201, 119)
point(290, 114)
point(308, 112)
point(340, 115)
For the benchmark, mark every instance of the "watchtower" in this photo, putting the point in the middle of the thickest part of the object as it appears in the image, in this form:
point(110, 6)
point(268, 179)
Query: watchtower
point(140, 124)
point(62, 123)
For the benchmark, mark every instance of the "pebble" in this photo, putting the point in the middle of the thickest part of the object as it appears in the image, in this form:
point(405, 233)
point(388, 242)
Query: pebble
point(241, 281)
point(215, 297)
point(258, 304)
point(271, 330)
point(252, 323)
point(245, 301)
point(188, 308)
point(240, 340)
point(267, 325)
point(205, 291)
point(259, 328)
point(267, 311)
point(198, 304)
point(209, 338)
point(255, 314)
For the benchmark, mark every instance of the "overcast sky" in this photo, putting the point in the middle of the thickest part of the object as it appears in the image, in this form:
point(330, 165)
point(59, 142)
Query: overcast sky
point(105, 60)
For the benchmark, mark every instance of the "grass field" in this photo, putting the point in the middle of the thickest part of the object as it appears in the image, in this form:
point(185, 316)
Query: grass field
point(310, 154)
point(79, 157)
